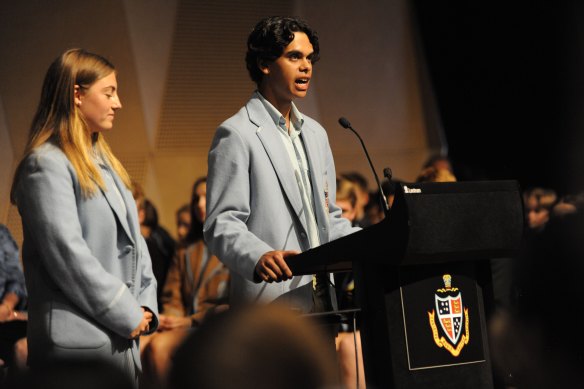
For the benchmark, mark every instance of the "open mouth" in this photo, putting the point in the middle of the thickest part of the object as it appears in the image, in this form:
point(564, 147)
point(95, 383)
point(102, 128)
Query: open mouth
point(302, 81)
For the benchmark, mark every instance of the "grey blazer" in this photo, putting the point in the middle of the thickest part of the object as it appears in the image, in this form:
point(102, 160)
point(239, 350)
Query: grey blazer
point(87, 268)
point(254, 204)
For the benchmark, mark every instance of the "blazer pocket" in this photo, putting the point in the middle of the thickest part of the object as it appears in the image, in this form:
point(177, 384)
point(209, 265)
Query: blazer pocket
point(69, 328)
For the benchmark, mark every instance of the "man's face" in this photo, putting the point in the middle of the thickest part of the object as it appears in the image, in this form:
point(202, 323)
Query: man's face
point(288, 77)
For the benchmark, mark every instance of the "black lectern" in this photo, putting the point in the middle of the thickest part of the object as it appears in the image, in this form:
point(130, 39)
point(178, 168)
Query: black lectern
point(423, 281)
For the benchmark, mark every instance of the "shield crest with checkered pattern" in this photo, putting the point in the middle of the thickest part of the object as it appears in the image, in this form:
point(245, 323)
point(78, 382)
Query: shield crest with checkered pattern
point(450, 316)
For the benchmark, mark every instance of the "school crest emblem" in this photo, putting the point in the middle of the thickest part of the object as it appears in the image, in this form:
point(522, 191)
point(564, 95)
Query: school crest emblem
point(449, 321)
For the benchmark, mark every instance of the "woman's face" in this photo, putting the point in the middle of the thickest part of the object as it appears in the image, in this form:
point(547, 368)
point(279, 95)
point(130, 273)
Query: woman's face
point(201, 201)
point(99, 103)
point(183, 224)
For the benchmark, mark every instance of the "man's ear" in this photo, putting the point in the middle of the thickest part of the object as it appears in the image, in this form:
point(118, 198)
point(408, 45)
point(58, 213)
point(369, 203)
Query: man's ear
point(77, 95)
point(264, 67)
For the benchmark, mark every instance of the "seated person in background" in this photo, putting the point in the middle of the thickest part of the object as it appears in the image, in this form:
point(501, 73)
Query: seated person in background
point(536, 341)
point(436, 169)
point(183, 225)
point(161, 245)
point(362, 194)
point(568, 204)
point(538, 203)
point(347, 199)
point(345, 287)
point(196, 284)
point(439, 162)
point(374, 209)
point(13, 298)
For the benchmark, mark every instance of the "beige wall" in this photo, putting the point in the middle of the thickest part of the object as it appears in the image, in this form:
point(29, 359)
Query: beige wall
point(368, 73)
point(181, 72)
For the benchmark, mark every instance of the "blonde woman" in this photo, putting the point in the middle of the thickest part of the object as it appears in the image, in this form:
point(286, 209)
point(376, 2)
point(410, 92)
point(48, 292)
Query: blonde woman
point(87, 269)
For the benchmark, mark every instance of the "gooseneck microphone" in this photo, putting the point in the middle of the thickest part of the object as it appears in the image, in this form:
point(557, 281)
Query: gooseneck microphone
point(387, 174)
point(345, 124)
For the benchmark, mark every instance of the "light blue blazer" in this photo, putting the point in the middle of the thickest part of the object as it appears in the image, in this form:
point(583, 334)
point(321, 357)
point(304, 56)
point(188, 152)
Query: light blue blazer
point(87, 268)
point(254, 204)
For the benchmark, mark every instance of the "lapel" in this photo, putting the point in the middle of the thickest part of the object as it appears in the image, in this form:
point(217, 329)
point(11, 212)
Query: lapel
point(114, 202)
point(270, 139)
point(316, 177)
point(193, 259)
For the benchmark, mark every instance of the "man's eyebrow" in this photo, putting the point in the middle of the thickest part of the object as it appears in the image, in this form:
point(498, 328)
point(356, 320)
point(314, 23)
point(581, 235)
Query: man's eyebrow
point(298, 53)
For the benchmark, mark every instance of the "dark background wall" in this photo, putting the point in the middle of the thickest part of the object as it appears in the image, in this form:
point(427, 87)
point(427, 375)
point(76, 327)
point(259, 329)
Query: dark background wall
point(508, 78)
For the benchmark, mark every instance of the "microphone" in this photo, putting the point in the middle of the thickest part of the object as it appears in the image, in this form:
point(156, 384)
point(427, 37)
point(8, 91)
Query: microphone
point(387, 174)
point(346, 124)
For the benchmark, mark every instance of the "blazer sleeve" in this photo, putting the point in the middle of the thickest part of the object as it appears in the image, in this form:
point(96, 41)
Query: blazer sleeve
point(228, 205)
point(47, 197)
point(148, 288)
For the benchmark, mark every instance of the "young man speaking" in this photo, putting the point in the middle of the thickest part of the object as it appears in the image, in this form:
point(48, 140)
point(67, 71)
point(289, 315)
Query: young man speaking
point(271, 180)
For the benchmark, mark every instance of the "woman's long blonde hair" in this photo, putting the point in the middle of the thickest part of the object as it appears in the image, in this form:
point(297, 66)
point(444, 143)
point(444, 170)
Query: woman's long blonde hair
point(58, 120)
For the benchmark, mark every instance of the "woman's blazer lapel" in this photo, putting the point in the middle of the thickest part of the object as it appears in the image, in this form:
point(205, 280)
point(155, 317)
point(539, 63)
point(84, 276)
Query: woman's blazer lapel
point(114, 202)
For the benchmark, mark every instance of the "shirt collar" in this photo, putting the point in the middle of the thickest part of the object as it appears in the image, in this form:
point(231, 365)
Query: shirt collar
point(296, 117)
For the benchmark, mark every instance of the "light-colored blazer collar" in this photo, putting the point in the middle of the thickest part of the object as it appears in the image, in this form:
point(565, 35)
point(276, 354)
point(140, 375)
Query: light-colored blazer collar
point(128, 220)
point(270, 138)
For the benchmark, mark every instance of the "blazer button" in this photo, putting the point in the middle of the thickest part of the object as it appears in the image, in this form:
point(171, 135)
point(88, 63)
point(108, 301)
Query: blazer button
point(303, 235)
point(127, 250)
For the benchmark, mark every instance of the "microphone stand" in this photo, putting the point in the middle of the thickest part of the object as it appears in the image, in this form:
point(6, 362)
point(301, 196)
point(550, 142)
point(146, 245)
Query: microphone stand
point(346, 124)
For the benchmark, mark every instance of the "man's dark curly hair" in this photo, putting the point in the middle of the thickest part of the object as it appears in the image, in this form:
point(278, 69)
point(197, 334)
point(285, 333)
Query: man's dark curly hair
point(270, 37)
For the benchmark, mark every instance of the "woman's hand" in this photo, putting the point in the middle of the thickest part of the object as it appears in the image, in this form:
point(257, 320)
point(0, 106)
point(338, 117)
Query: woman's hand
point(6, 313)
point(9, 301)
point(144, 325)
point(167, 323)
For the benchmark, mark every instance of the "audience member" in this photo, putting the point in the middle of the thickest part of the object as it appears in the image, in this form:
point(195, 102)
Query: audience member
point(538, 203)
point(347, 199)
point(344, 282)
point(258, 347)
point(183, 225)
point(348, 340)
point(439, 162)
point(362, 193)
point(13, 302)
point(568, 204)
point(436, 169)
point(537, 341)
point(197, 284)
point(375, 209)
point(161, 245)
